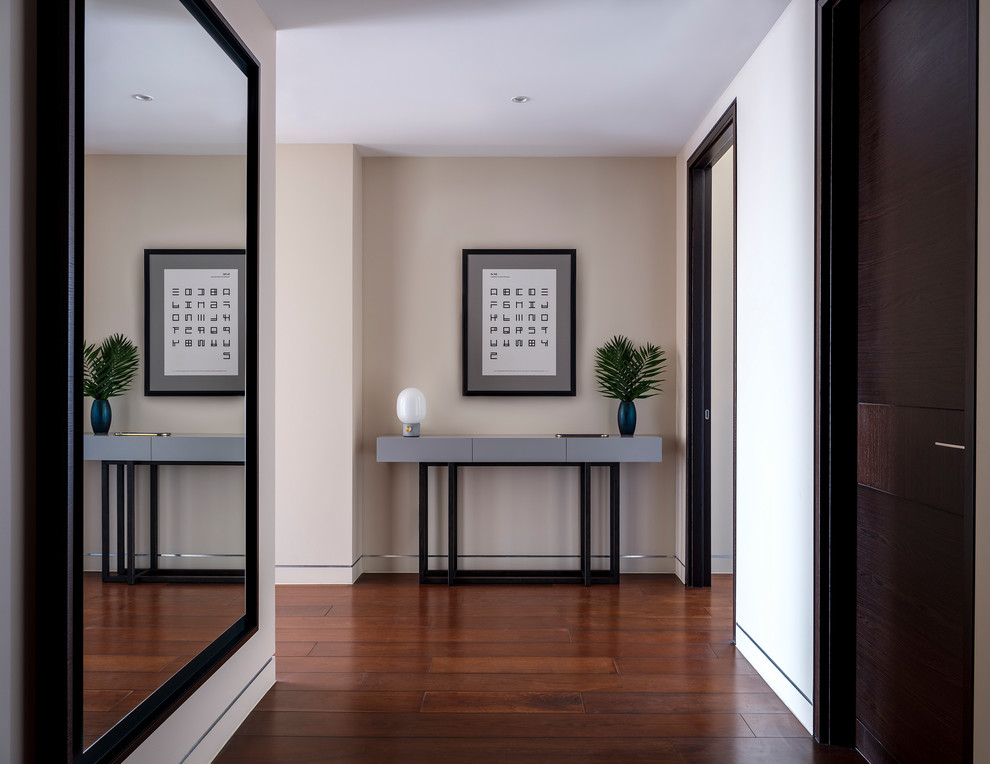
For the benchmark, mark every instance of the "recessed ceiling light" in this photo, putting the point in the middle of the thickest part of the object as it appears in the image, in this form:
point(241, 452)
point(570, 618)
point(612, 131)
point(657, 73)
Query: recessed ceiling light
point(519, 99)
point(142, 97)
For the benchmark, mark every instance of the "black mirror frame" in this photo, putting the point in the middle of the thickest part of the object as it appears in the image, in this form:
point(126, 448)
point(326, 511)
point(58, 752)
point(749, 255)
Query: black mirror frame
point(55, 539)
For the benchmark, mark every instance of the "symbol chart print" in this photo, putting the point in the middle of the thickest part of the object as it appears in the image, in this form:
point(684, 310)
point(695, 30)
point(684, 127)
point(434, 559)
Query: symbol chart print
point(518, 322)
point(194, 321)
point(200, 321)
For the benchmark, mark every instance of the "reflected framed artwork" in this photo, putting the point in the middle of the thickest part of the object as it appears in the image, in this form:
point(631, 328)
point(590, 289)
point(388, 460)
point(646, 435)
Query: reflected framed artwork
point(518, 319)
point(194, 321)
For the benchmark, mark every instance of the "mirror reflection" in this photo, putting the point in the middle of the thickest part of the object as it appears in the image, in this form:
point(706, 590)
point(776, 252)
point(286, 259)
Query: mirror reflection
point(164, 530)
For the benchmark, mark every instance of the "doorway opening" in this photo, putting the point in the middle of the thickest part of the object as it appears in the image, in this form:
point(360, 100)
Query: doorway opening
point(711, 351)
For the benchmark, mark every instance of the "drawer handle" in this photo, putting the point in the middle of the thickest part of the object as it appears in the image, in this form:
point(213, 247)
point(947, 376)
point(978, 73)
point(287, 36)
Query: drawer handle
point(950, 445)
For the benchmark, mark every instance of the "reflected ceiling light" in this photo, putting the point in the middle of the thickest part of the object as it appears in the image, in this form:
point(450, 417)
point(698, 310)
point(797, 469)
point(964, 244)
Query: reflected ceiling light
point(142, 97)
point(519, 99)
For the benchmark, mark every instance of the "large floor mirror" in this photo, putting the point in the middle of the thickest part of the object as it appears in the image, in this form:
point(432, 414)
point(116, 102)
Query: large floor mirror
point(148, 189)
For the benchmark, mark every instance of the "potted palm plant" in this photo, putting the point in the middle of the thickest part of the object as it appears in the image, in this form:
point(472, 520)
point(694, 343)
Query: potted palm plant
point(627, 372)
point(108, 370)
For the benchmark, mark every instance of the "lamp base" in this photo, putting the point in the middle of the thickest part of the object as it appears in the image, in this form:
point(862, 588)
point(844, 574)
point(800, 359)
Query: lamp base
point(410, 430)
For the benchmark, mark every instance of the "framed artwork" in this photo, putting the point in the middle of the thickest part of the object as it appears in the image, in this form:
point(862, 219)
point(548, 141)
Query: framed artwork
point(518, 321)
point(194, 321)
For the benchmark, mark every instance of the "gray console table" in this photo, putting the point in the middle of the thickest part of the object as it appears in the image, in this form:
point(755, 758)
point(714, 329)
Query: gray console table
point(456, 451)
point(127, 451)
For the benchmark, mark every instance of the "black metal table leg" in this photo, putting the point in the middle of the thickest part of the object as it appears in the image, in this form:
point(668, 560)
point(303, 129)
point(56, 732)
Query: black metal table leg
point(586, 524)
point(105, 520)
point(153, 562)
point(131, 566)
point(613, 514)
point(424, 496)
point(451, 523)
point(121, 558)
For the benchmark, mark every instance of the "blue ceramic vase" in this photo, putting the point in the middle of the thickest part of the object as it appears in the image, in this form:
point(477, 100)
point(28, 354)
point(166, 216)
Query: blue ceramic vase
point(99, 416)
point(627, 418)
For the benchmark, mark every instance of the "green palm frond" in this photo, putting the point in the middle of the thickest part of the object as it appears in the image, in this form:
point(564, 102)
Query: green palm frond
point(627, 372)
point(109, 368)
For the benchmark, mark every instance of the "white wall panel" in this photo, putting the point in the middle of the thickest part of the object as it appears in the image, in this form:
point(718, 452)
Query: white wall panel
point(775, 167)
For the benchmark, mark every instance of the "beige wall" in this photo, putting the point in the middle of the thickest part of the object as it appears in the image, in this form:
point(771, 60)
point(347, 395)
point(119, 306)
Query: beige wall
point(318, 369)
point(418, 216)
point(178, 202)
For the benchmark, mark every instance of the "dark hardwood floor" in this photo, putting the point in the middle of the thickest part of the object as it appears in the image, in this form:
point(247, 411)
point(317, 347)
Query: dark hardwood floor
point(136, 637)
point(391, 671)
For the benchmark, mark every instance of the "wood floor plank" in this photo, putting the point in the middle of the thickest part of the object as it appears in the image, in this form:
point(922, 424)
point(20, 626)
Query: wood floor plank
point(645, 636)
point(673, 666)
point(154, 623)
point(317, 610)
point(763, 751)
point(688, 702)
point(140, 663)
point(523, 666)
point(293, 699)
point(588, 683)
point(307, 723)
point(421, 635)
point(133, 700)
point(135, 680)
point(692, 650)
point(245, 749)
point(352, 622)
point(351, 665)
point(775, 725)
point(131, 647)
point(315, 680)
point(503, 702)
point(604, 621)
point(102, 700)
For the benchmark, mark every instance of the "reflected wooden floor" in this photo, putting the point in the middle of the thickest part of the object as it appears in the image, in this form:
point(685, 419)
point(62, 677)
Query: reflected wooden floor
point(391, 671)
point(136, 637)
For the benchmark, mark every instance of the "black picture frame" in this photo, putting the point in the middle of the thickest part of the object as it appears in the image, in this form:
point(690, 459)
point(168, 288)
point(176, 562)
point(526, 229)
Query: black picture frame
point(160, 332)
point(545, 374)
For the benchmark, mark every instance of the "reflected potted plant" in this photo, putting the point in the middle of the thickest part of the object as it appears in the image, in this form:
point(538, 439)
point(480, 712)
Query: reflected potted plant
point(627, 372)
point(108, 371)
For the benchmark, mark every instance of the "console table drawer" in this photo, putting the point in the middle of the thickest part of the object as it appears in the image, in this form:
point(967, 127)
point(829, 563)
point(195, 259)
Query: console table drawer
point(520, 450)
point(424, 449)
point(642, 449)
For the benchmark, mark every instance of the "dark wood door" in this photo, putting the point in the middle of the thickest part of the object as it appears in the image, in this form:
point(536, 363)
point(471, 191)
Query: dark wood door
point(916, 313)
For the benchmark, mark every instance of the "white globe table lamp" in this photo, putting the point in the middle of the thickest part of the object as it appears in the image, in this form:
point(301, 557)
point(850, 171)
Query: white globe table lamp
point(410, 407)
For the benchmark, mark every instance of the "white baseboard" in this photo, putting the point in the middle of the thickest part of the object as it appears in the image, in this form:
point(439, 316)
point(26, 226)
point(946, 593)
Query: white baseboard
point(779, 682)
point(210, 745)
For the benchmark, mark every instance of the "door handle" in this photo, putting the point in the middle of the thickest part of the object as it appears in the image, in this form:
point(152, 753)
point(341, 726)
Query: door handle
point(949, 445)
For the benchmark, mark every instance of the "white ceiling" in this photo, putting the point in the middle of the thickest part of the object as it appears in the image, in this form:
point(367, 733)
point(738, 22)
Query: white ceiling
point(156, 48)
point(426, 77)
point(435, 77)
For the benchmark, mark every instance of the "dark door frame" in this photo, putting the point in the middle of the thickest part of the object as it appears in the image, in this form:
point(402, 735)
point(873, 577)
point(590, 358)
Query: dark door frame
point(837, 92)
point(836, 288)
point(698, 546)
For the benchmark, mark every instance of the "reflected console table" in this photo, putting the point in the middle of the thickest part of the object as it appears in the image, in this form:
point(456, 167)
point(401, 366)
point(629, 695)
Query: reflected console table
point(583, 452)
point(126, 452)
